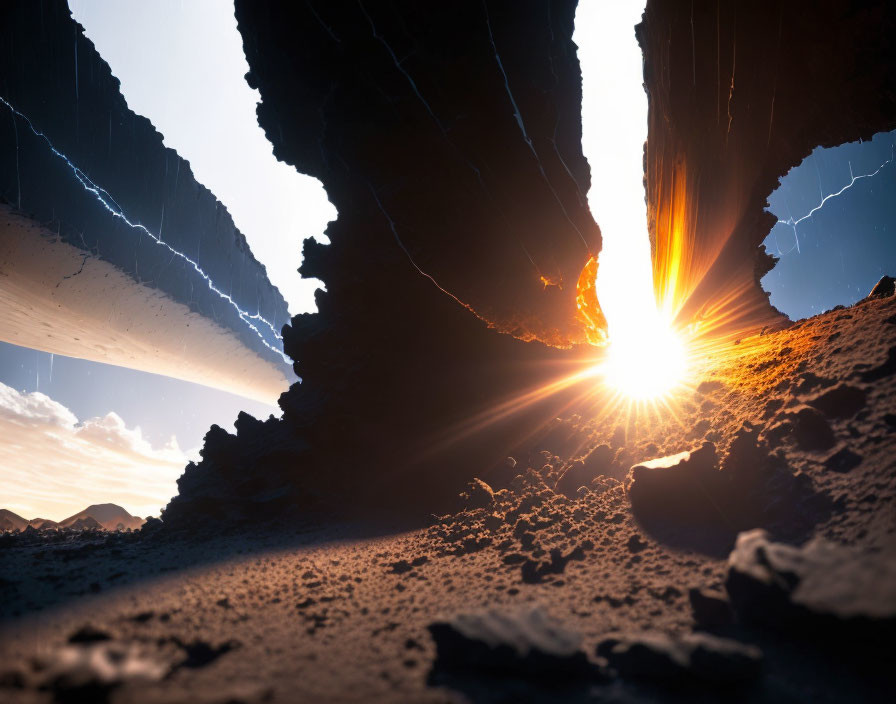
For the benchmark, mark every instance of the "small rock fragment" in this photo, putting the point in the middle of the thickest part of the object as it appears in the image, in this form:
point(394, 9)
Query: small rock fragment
point(478, 494)
point(886, 286)
point(693, 658)
point(199, 653)
point(669, 487)
point(811, 430)
point(844, 460)
point(89, 634)
point(636, 544)
point(818, 590)
point(526, 644)
point(711, 608)
point(841, 401)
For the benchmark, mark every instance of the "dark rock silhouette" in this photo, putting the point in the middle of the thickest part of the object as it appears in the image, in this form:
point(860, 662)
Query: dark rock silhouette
point(820, 588)
point(693, 658)
point(448, 139)
point(436, 188)
point(527, 645)
point(886, 286)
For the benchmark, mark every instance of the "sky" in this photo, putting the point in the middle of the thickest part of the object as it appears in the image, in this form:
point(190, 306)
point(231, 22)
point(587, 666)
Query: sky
point(835, 255)
point(613, 141)
point(47, 452)
point(181, 64)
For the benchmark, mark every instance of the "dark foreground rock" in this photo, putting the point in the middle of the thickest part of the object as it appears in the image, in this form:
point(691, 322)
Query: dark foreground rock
point(818, 589)
point(526, 645)
point(674, 487)
point(693, 658)
point(710, 608)
point(92, 672)
point(693, 498)
point(886, 286)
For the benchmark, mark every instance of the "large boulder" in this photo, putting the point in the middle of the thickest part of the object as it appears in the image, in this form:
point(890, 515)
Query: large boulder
point(524, 644)
point(695, 499)
point(819, 589)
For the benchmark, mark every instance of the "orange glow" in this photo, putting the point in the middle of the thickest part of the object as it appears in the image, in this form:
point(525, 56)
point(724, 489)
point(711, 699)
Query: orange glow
point(587, 307)
point(673, 250)
point(551, 281)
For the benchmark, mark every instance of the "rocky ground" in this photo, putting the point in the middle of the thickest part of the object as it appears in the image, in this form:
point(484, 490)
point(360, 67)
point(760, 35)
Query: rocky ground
point(760, 566)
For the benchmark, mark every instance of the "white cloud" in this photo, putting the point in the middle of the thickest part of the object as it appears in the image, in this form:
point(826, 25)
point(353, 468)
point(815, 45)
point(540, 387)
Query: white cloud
point(53, 465)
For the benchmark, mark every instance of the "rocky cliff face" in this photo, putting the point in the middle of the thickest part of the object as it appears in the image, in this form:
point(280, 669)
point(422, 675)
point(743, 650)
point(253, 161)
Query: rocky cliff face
point(448, 137)
point(449, 140)
point(740, 93)
point(60, 95)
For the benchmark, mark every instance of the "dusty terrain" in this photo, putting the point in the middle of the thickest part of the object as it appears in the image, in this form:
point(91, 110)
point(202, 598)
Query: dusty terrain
point(343, 613)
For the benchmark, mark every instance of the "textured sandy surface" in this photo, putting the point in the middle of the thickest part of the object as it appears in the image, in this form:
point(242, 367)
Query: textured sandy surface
point(326, 615)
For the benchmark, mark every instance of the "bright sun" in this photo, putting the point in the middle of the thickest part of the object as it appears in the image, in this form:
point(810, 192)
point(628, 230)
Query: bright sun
point(645, 364)
point(646, 359)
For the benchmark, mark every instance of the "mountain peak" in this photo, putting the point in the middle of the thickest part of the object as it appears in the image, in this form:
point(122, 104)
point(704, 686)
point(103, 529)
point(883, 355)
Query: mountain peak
point(109, 516)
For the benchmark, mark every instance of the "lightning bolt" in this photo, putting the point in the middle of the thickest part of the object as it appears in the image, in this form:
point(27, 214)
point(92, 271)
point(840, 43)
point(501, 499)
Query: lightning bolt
point(404, 249)
point(435, 118)
point(457, 151)
point(793, 222)
point(108, 202)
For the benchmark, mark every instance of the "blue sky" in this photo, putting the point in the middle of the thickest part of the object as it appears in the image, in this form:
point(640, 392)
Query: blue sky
point(836, 255)
point(181, 64)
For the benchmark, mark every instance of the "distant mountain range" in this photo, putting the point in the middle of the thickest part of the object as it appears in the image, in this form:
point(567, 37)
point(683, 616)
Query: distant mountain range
point(97, 516)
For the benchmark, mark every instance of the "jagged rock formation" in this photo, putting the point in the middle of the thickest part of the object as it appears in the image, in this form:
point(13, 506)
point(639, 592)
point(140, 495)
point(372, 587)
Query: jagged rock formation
point(105, 279)
point(448, 139)
point(739, 94)
point(457, 190)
